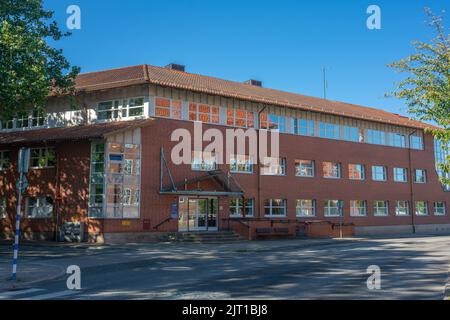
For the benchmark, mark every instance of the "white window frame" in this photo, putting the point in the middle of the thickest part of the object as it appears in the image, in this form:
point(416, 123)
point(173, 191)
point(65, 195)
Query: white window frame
point(241, 164)
point(444, 209)
point(376, 137)
point(305, 165)
point(271, 207)
point(397, 208)
point(351, 171)
point(424, 175)
point(385, 208)
point(47, 150)
point(335, 168)
point(238, 206)
point(328, 209)
point(273, 167)
point(39, 206)
point(374, 173)
point(301, 207)
point(416, 142)
point(397, 140)
point(421, 214)
point(349, 134)
point(358, 208)
point(201, 161)
point(401, 173)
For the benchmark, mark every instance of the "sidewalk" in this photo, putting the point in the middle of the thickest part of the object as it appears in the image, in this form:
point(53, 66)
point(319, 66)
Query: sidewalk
point(27, 274)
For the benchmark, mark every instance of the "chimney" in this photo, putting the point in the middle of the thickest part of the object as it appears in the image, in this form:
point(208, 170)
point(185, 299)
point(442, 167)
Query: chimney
point(174, 66)
point(253, 82)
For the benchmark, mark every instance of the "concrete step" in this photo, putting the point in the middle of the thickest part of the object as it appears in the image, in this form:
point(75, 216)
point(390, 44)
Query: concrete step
point(210, 237)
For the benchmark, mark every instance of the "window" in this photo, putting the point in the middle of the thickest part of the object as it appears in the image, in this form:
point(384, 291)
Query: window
point(240, 118)
point(274, 166)
point(122, 187)
point(356, 172)
point(304, 168)
point(236, 206)
point(397, 140)
point(305, 208)
point(108, 110)
point(358, 208)
point(203, 161)
point(421, 208)
point(402, 208)
point(400, 175)
point(22, 120)
point(416, 142)
point(439, 208)
point(380, 208)
point(351, 134)
point(38, 118)
point(376, 137)
point(39, 207)
point(420, 176)
point(42, 158)
point(241, 164)
point(3, 208)
point(203, 113)
point(133, 107)
point(333, 208)
point(275, 207)
point(379, 173)
point(329, 130)
point(5, 157)
point(441, 151)
point(302, 127)
point(168, 108)
point(272, 122)
point(97, 180)
point(331, 170)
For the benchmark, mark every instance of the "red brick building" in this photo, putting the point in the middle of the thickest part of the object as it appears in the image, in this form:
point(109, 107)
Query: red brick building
point(108, 163)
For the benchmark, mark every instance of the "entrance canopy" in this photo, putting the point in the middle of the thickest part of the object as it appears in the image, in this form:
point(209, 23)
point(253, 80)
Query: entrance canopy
point(228, 187)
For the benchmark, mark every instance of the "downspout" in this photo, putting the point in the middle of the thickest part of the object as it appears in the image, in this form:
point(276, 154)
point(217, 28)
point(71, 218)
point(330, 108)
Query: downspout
point(57, 196)
point(413, 223)
point(258, 161)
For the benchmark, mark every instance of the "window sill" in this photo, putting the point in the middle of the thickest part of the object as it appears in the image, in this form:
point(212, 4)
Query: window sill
point(241, 172)
point(309, 177)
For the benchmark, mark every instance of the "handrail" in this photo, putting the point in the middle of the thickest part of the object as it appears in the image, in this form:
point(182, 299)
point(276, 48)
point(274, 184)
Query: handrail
point(161, 223)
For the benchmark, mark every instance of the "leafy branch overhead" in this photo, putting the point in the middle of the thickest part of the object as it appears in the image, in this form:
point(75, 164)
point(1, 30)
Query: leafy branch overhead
point(30, 68)
point(426, 89)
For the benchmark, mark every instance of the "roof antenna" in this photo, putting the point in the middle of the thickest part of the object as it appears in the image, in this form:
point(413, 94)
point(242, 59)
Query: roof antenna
point(325, 82)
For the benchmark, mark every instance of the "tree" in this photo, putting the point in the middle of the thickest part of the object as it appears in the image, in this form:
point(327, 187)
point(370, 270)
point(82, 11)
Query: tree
point(30, 69)
point(426, 89)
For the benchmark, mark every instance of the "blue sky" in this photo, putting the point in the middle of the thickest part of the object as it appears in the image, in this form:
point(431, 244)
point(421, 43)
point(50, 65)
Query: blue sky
point(283, 43)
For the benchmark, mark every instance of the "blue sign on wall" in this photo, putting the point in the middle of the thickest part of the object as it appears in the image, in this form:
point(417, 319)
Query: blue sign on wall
point(174, 211)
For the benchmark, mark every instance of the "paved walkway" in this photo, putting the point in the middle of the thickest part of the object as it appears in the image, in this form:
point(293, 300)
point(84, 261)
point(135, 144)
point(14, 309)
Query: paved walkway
point(414, 267)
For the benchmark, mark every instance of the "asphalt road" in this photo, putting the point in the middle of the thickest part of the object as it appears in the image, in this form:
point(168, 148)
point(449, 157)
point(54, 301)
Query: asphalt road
point(411, 268)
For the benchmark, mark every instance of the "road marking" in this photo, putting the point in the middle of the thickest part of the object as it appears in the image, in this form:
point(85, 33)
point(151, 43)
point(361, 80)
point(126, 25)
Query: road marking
point(6, 295)
point(51, 295)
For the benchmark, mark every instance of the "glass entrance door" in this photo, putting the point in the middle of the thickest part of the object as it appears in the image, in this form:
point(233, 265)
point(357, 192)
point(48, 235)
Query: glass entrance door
point(197, 214)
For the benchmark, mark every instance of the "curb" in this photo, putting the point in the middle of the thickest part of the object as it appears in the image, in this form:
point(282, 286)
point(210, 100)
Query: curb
point(447, 286)
point(12, 286)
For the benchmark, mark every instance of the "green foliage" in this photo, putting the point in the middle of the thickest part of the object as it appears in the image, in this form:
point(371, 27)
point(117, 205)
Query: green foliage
point(426, 89)
point(30, 69)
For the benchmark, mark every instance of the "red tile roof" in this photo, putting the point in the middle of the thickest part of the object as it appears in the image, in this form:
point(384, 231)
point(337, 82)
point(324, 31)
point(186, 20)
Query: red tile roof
point(80, 132)
point(182, 80)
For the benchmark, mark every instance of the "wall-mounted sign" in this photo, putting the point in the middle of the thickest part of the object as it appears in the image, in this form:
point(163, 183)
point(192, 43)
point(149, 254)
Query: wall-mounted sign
point(174, 211)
